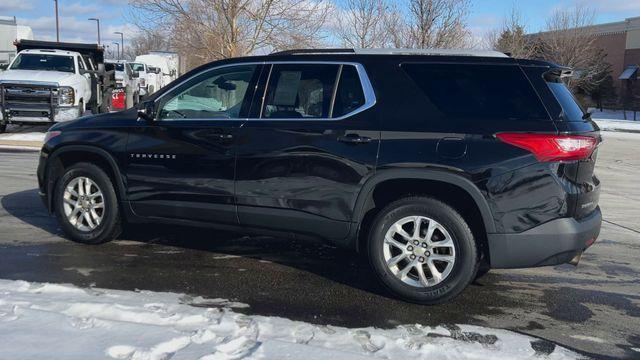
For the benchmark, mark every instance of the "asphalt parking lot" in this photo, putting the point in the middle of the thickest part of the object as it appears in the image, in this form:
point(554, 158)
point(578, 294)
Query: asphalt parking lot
point(594, 308)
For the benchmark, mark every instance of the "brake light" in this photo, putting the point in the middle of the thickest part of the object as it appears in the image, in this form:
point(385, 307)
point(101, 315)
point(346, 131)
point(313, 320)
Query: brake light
point(549, 147)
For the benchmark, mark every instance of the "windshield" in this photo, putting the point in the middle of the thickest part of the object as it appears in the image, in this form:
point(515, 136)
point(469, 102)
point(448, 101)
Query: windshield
point(137, 67)
point(572, 111)
point(44, 62)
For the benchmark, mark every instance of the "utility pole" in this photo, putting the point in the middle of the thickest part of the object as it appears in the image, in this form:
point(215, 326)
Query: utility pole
point(57, 22)
point(121, 40)
point(118, 49)
point(98, 22)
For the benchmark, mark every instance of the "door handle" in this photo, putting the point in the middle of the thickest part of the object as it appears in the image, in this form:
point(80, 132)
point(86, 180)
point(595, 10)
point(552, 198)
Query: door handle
point(354, 139)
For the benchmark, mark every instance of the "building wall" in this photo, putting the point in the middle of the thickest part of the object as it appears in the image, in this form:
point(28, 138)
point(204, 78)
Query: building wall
point(613, 45)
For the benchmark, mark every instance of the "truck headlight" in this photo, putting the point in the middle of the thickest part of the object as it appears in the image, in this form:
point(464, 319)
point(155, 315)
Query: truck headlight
point(66, 96)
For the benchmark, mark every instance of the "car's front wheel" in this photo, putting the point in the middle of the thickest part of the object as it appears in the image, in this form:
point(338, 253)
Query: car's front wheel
point(86, 205)
point(422, 250)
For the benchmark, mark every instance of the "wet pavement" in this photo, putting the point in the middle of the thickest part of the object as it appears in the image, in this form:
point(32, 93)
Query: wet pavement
point(594, 308)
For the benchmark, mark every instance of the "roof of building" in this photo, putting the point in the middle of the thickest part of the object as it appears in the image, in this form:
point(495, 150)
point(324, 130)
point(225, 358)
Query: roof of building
point(632, 23)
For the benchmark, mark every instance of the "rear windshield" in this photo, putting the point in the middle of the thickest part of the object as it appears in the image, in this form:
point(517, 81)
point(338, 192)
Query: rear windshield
point(571, 109)
point(43, 62)
point(478, 91)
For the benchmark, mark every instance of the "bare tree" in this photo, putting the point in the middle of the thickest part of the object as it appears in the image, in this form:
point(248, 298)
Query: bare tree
point(146, 41)
point(438, 23)
point(206, 30)
point(362, 24)
point(571, 41)
point(511, 38)
point(398, 34)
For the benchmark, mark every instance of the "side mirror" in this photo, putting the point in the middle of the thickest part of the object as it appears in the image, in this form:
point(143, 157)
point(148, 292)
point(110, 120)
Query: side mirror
point(101, 68)
point(135, 74)
point(157, 71)
point(146, 111)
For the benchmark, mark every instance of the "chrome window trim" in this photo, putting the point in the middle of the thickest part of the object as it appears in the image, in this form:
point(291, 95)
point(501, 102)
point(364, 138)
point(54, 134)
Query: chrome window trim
point(365, 83)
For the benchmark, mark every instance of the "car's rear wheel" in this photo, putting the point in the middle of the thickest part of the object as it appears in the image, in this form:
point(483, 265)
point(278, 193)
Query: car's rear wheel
point(86, 205)
point(422, 250)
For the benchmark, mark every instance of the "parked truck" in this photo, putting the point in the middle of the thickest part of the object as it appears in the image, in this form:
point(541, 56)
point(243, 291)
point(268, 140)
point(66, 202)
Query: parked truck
point(167, 62)
point(50, 82)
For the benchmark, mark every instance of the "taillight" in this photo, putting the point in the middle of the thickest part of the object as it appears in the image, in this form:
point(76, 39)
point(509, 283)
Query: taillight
point(548, 147)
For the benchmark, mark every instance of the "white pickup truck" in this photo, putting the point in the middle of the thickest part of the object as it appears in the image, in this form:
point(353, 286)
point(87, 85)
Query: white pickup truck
point(51, 85)
point(44, 85)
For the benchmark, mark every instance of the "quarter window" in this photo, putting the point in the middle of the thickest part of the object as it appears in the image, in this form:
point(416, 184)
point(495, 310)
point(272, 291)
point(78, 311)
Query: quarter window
point(478, 91)
point(300, 91)
point(349, 95)
point(218, 94)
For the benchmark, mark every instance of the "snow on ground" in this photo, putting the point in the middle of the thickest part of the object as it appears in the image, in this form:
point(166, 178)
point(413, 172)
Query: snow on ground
point(63, 321)
point(613, 120)
point(27, 136)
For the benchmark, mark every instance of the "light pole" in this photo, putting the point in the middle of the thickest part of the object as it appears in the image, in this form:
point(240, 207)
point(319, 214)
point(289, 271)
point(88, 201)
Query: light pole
point(98, 23)
point(118, 49)
point(57, 23)
point(121, 40)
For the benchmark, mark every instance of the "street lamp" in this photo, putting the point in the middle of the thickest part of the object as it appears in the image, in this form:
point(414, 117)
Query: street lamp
point(121, 40)
point(118, 49)
point(57, 23)
point(98, 23)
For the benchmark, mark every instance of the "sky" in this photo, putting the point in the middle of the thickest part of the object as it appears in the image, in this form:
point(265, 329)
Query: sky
point(74, 26)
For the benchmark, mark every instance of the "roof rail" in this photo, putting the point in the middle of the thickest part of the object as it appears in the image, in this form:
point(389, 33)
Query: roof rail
point(314, 51)
point(435, 52)
point(390, 51)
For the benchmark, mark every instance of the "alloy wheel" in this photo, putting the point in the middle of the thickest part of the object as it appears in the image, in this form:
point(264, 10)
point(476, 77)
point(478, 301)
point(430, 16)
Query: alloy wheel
point(419, 251)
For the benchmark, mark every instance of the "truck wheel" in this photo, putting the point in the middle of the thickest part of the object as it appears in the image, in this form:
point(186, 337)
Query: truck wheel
point(80, 109)
point(422, 250)
point(86, 205)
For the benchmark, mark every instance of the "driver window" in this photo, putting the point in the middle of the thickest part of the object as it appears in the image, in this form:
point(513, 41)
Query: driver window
point(219, 95)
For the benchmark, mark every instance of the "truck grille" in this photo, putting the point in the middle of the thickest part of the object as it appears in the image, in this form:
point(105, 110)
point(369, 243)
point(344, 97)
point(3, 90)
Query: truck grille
point(26, 100)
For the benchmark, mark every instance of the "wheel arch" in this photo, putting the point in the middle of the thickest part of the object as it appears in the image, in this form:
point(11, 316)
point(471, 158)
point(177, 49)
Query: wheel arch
point(67, 155)
point(366, 207)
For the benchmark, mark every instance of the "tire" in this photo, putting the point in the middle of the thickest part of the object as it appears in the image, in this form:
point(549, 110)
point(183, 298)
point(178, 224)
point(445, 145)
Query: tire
point(109, 226)
point(455, 244)
point(3, 128)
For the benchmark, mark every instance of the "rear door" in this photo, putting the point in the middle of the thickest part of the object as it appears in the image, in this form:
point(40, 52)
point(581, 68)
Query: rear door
point(183, 164)
point(310, 145)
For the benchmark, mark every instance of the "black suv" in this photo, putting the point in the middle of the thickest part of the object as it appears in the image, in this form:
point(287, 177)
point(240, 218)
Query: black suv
point(438, 165)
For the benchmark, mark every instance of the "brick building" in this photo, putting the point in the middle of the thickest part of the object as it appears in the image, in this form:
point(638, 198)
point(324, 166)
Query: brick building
point(621, 42)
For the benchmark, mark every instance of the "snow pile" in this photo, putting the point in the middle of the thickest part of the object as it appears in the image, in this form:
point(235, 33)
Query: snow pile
point(60, 321)
point(30, 136)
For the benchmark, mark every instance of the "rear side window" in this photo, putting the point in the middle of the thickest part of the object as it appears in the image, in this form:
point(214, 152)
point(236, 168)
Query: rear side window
point(300, 91)
point(478, 91)
point(571, 110)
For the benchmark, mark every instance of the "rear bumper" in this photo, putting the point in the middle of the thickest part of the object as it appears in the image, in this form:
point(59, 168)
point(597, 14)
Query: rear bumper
point(554, 242)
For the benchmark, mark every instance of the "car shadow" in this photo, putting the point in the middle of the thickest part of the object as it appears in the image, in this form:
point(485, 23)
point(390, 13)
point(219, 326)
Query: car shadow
point(305, 257)
point(28, 207)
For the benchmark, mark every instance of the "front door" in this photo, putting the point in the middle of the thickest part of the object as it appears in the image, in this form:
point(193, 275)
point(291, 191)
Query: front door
point(182, 165)
point(305, 153)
